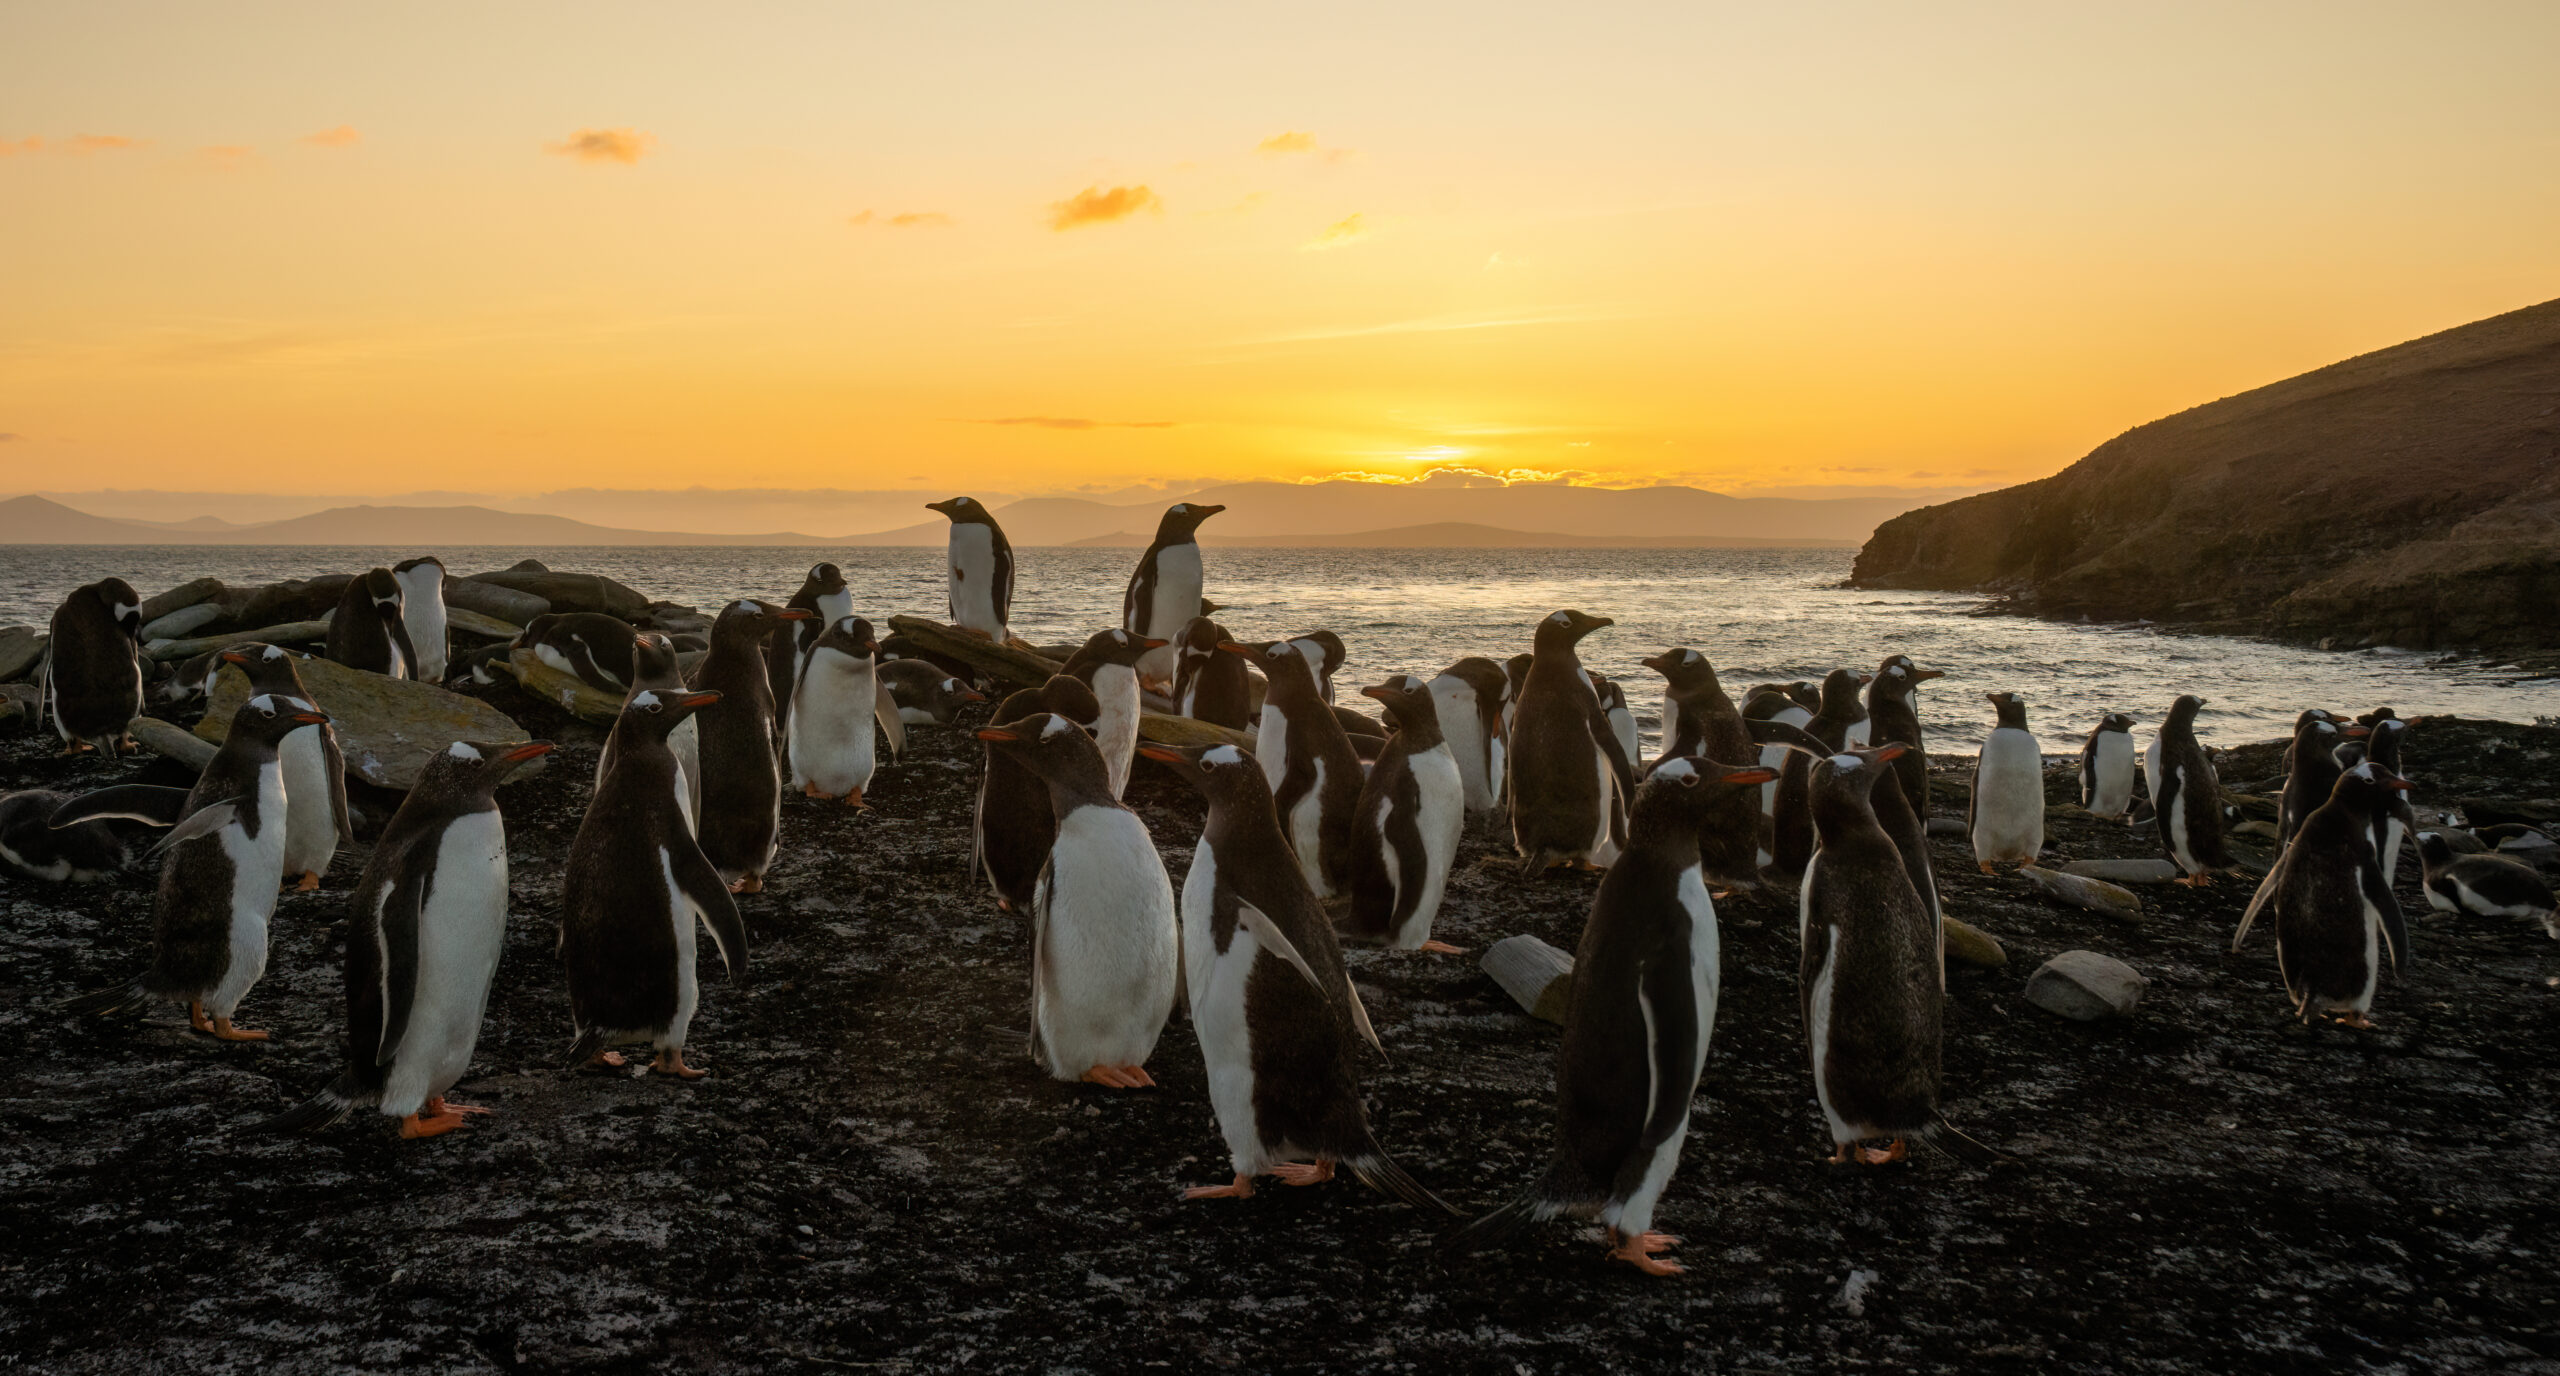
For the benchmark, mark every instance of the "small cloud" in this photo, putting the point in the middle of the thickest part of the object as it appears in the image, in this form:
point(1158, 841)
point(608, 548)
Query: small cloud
point(857, 220)
point(10, 437)
point(344, 136)
point(625, 146)
point(82, 145)
point(1341, 233)
point(11, 150)
point(1283, 144)
point(1095, 206)
point(1078, 423)
point(228, 157)
point(905, 219)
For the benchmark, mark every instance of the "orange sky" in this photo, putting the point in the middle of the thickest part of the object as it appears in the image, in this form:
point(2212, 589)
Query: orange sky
point(1030, 247)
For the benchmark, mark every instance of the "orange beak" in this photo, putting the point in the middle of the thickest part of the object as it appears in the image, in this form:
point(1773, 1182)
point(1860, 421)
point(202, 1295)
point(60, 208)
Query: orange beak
point(997, 733)
point(1162, 754)
point(235, 657)
point(314, 718)
point(1150, 642)
point(1894, 751)
point(1231, 647)
point(528, 750)
point(1751, 776)
point(797, 614)
point(1925, 674)
point(702, 699)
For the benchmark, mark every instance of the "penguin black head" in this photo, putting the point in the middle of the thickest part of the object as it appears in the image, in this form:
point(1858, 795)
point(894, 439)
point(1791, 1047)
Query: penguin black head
point(1852, 773)
point(1056, 749)
point(1606, 689)
point(465, 773)
point(1201, 636)
point(1840, 693)
point(1802, 694)
point(2369, 788)
point(1492, 685)
point(2115, 721)
point(850, 636)
point(1684, 785)
point(123, 604)
point(1516, 669)
point(823, 579)
point(2182, 713)
point(1181, 519)
point(2012, 710)
point(1323, 649)
point(1564, 629)
point(422, 561)
point(1226, 775)
point(653, 657)
point(963, 511)
point(2384, 745)
point(657, 711)
point(2321, 721)
point(1408, 700)
point(1114, 646)
point(270, 668)
point(1900, 675)
point(750, 620)
point(1683, 670)
point(1070, 697)
point(267, 718)
point(2434, 850)
point(2379, 714)
point(383, 590)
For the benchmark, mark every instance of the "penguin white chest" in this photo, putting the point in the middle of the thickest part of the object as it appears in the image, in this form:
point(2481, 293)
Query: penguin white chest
point(1441, 816)
point(2008, 798)
point(1215, 981)
point(973, 579)
point(256, 864)
point(2111, 774)
point(1453, 700)
point(1106, 949)
point(461, 929)
point(422, 613)
point(310, 820)
point(1115, 687)
point(681, 915)
point(1634, 1212)
point(833, 740)
point(1176, 596)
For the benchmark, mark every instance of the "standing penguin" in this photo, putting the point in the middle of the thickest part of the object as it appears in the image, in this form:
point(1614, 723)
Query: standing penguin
point(1105, 944)
point(317, 820)
point(1012, 827)
point(633, 888)
point(1708, 726)
point(2336, 921)
point(1404, 836)
point(1164, 590)
point(1873, 978)
point(2186, 795)
point(2005, 815)
point(369, 630)
point(1275, 1011)
point(1829, 726)
point(218, 882)
point(1621, 717)
point(2391, 826)
point(827, 599)
point(1325, 654)
point(1209, 685)
point(1645, 981)
point(1893, 718)
point(1307, 759)
point(1777, 703)
point(2106, 768)
point(92, 684)
point(1109, 663)
point(1515, 671)
point(654, 669)
point(1566, 769)
point(2484, 885)
point(981, 562)
point(833, 736)
point(2311, 767)
point(741, 818)
point(422, 615)
point(1470, 696)
point(424, 931)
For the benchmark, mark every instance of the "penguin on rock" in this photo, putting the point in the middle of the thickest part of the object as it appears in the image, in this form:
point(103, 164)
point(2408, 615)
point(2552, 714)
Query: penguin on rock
point(317, 819)
point(422, 615)
point(591, 647)
point(1108, 662)
point(2484, 885)
point(2311, 767)
point(1565, 767)
point(635, 884)
point(1705, 724)
point(1404, 836)
point(836, 707)
point(2336, 920)
point(1012, 827)
point(217, 887)
point(2005, 814)
point(91, 685)
point(1164, 590)
point(1471, 696)
point(654, 669)
point(1276, 1013)
point(2106, 768)
point(1829, 726)
point(1105, 943)
point(424, 932)
point(1208, 684)
point(740, 823)
point(981, 564)
point(370, 630)
point(1645, 981)
point(1307, 759)
point(2186, 796)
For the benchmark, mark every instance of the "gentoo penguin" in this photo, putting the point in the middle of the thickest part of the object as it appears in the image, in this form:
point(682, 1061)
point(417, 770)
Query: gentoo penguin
point(654, 669)
point(1873, 977)
point(834, 734)
point(633, 887)
point(2186, 795)
point(1209, 685)
point(422, 615)
point(981, 563)
point(2311, 767)
point(1109, 663)
point(1645, 980)
point(1276, 1013)
point(218, 880)
point(1621, 717)
point(1308, 761)
point(1325, 654)
point(2005, 815)
point(82, 853)
point(925, 695)
point(1012, 827)
point(1105, 944)
point(827, 599)
point(1405, 829)
point(1164, 590)
point(741, 817)
point(424, 931)
point(2392, 826)
point(590, 646)
point(1565, 766)
point(2336, 921)
point(1778, 703)
point(92, 682)
point(191, 681)
point(368, 631)
point(1515, 673)
point(1829, 726)
point(2106, 768)
point(316, 817)
point(1470, 696)
point(2482, 885)
point(1708, 726)
point(1893, 717)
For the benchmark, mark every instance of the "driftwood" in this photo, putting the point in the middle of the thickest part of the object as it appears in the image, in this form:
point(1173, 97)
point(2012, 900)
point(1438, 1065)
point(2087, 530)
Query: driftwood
point(183, 622)
point(1536, 975)
point(490, 600)
point(2081, 891)
point(578, 697)
point(172, 741)
point(1171, 730)
point(476, 624)
point(2125, 871)
point(1012, 667)
point(291, 633)
point(193, 593)
point(292, 600)
point(1972, 945)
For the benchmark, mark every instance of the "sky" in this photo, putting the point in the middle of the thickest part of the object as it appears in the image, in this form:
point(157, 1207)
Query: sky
point(1770, 250)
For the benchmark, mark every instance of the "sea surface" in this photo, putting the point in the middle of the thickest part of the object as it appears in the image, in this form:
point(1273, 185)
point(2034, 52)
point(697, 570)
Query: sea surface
point(1759, 615)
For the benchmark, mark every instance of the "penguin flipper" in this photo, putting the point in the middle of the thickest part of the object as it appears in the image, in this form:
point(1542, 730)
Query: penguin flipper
point(710, 897)
point(151, 803)
point(339, 812)
point(326, 1109)
point(1360, 1014)
point(2278, 874)
point(104, 1001)
point(1669, 1003)
point(1379, 1172)
point(1277, 942)
point(1769, 731)
point(393, 946)
point(1002, 595)
point(2395, 928)
point(1505, 1223)
point(1605, 736)
point(885, 708)
point(204, 821)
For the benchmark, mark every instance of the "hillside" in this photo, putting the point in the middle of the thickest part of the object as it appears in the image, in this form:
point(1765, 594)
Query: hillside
point(1463, 535)
point(2407, 497)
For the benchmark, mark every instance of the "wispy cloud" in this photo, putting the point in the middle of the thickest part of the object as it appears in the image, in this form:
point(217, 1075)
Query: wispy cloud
point(82, 145)
point(11, 150)
point(1341, 233)
point(905, 219)
point(625, 146)
point(1438, 324)
point(10, 437)
point(1078, 423)
point(1096, 206)
point(344, 136)
point(227, 157)
point(1290, 141)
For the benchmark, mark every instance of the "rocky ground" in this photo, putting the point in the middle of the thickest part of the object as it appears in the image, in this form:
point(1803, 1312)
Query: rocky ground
point(874, 1177)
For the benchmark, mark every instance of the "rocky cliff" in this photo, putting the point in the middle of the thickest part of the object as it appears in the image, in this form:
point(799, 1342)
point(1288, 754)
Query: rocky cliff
point(2407, 497)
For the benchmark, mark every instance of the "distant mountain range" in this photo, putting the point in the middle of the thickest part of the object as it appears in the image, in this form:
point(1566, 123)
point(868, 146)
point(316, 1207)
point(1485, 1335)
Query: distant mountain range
point(1435, 514)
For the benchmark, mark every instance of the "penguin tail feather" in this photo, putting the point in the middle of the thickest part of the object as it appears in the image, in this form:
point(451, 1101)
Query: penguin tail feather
point(323, 1110)
point(1503, 1224)
point(1379, 1172)
point(590, 1044)
point(130, 994)
point(1952, 1140)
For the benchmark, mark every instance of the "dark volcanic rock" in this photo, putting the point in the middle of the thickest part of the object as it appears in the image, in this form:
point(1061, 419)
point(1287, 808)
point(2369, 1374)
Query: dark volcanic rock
point(2407, 497)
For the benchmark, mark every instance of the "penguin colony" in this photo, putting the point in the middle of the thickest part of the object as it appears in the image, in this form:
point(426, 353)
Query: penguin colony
point(1331, 829)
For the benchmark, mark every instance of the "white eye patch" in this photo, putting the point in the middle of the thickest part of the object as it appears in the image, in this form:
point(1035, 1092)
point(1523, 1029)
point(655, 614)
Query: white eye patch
point(461, 751)
point(1690, 656)
point(2363, 771)
point(1676, 768)
point(1181, 508)
point(644, 700)
point(273, 653)
point(1055, 726)
point(1224, 754)
point(1562, 618)
point(264, 702)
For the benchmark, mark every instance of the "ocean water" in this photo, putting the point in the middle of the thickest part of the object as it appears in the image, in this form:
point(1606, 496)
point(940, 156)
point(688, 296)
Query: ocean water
point(1759, 615)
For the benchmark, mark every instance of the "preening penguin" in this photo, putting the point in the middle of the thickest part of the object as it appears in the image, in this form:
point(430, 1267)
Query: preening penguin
point(422, 615)
point(1566, 768)
point(1012, 826)
point(1645, 980)
point(317, 820)
point(1893, 718)
point(826, 599)
point(634, 886)
point(92, 680)
point(741, 818)
point(2106, 767)
point(1307, 759)
point(1105, 944)
point(591, 647)
point(2336, 921)
point(1404, 838)
point(925, 695)
point(654, 669)
point(2005, 815)
point(836, 707)
point(1276, 1013)
point(981, 562)
point(1164, 590)
point(370, 630)
point(2483, 885)
point(2186, 795)
point(1872, 979)
point(1707, 725)
point(1108, 663)
point(2311, 767)
point(1209, 685)
point(1472, 696)
point(1829, 726)
point(424, 931)
point(218, 878)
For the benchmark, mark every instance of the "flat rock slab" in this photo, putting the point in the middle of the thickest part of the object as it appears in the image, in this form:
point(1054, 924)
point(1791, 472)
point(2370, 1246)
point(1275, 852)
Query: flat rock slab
point(2080, 891)
point(20, 648)
point(386, 726)
point(2086, 986)
point(2125, 871)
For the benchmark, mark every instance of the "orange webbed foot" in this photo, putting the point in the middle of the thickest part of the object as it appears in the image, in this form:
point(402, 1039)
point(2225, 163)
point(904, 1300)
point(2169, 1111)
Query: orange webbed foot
point(753, 883)
point(1241, 1189)
point(1110, 1075)
point(307, 883)
point(424, 1124)
point(223, 1029)
point(671, 1062)
point(1138, 1076)
point(811, 790)
point(1639, 1252)
point(1989, 868)
point(1302, 1173)
point(853, 798)
point(1885, 1155)
point(1441, 948)
point(610, 1058)
point(439, 1107)
point(2355, 1020)
point(1843, 1153)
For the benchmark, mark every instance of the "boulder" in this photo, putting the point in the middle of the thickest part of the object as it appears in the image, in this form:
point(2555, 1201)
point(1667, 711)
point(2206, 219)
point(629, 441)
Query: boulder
point(1536, 975)
point(2125, 871)
point(387, 726)
point(304, 599)
point(194, 593)
point(475, 624)
point(575, 695)
point(2085, 986)
point(2080, 891)
point(20, 648)
point(1972, 945)
point(290, 633)
point(490, 600)
point(571, 592)
point(171, 741)
point(676, 620)
point(183, 622)
point(19, 700)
